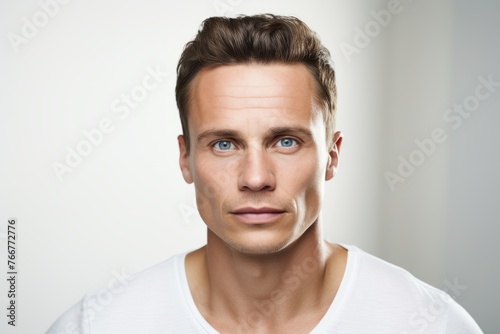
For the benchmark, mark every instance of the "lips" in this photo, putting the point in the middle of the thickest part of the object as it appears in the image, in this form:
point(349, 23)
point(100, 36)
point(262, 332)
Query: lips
point(263, 215)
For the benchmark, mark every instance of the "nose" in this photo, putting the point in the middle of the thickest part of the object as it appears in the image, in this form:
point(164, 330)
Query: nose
point(257, 173)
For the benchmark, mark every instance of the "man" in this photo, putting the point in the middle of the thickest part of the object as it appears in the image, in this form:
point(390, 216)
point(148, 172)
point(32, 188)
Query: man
point(257, 101)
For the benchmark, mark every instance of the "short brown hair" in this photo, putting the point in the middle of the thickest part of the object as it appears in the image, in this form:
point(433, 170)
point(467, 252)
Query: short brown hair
point(263, 39)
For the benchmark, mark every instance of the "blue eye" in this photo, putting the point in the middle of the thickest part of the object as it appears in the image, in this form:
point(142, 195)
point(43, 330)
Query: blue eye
point(286, 142)
point(223, 145)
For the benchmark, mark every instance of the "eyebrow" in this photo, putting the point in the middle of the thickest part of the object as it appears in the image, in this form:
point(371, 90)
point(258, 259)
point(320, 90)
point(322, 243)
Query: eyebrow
point(286, 130)
point(272, 132)
point(216, 134)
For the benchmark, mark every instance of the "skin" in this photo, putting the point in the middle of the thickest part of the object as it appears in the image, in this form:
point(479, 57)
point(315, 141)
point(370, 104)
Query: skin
point(259, 160)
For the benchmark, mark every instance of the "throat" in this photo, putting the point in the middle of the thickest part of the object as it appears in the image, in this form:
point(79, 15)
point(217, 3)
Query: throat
point(281, 289)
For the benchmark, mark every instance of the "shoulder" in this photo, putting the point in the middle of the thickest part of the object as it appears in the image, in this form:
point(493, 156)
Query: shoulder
point(141, 298)
point(371, 273)
point(375, 274)
point(389, 295)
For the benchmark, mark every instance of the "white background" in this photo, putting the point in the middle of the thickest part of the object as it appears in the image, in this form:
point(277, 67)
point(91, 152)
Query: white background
point(125, 207)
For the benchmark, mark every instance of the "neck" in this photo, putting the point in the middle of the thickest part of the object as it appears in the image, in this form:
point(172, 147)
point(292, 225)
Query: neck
point(278, 286)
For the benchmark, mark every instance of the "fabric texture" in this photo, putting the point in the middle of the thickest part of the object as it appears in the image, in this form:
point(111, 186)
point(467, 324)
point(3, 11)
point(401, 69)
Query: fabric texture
point(374, 297)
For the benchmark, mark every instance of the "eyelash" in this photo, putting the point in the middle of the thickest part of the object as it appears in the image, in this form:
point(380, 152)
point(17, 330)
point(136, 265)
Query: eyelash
point(222, 141)
point(296, 142)
point(214, 144)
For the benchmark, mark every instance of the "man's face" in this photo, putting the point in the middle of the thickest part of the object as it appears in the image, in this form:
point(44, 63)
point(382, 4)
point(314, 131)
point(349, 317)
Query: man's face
point(258, 155)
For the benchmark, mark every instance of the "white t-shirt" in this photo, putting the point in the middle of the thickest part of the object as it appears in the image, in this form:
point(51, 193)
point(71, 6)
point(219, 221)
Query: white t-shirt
point(375, 297)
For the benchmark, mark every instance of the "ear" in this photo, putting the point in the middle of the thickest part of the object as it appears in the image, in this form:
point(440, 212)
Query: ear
point(333, 156)
point(184, 160)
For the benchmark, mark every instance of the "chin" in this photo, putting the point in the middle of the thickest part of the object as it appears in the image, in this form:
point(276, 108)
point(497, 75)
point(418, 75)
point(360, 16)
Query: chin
point(259, 244)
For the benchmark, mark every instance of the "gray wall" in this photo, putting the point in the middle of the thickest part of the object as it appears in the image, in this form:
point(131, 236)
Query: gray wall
point(473, 206)
point(442, 222)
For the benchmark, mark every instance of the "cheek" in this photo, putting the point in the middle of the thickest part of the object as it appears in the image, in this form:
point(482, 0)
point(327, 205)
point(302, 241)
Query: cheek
point(210, 180)
point(305, 183)
point(305, 171)
point(314, 184)
point(311, 201)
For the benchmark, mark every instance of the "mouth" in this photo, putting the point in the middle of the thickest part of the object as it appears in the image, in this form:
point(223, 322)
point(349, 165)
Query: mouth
point(250, 215)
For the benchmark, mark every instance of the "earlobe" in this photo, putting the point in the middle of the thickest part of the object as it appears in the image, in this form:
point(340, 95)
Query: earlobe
point(184, 160)
point(333, 156)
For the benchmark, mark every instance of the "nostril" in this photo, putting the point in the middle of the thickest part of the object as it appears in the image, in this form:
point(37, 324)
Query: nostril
point(257, 181)
point(257, 172)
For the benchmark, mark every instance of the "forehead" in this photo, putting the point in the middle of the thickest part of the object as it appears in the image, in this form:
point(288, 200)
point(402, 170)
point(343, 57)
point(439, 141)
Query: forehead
point(283, 93)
